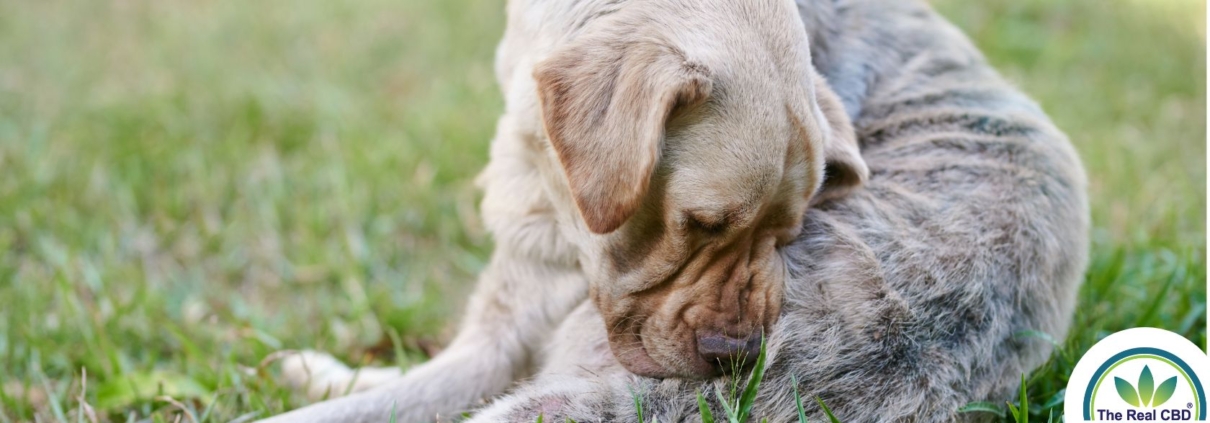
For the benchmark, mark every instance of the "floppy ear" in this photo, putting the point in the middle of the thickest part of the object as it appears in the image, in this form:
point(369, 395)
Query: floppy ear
point(605, 104)
point(844, 169)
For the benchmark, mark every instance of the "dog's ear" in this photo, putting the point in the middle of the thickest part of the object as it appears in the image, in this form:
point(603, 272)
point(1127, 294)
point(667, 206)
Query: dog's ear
point(844, 169)
point(605, 104)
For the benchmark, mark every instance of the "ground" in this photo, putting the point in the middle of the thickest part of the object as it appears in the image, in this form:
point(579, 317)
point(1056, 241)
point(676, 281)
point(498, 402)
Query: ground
point(187, 187)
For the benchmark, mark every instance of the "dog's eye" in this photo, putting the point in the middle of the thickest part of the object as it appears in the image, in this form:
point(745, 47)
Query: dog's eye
point(708, 225)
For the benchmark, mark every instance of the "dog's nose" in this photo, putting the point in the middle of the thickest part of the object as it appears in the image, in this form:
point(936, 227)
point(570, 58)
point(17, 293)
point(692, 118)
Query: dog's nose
point(728, 352)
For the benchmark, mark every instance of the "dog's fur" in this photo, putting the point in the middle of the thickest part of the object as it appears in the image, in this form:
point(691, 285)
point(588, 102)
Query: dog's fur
point(693, 134)
point(902, 301)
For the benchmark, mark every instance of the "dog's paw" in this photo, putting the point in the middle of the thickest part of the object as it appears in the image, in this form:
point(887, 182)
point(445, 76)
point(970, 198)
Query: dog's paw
point(322, 376)
point(317, 374)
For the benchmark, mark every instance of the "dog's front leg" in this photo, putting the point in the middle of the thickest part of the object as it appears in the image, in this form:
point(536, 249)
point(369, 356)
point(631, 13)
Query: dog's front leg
point(514, 308)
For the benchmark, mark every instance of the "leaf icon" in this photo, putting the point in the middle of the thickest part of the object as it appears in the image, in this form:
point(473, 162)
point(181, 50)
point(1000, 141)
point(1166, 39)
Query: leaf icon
point(1146, 386)
point(1164, 392)
point(1126, 391)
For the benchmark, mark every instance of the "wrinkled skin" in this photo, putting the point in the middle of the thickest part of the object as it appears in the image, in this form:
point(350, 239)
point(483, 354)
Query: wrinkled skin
point(685, 210)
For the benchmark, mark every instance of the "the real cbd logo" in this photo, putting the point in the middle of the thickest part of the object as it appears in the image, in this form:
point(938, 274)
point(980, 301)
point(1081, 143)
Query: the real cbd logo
point(1146, 395)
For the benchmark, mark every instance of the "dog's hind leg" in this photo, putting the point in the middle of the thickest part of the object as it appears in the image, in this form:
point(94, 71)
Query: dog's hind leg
point(530, 285)
point(509, 318)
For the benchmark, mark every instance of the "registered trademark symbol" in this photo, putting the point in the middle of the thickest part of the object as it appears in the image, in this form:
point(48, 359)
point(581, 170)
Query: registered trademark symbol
point(1188, 405)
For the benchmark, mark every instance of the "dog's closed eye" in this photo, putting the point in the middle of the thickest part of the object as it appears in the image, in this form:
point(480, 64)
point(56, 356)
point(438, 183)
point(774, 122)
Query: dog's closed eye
point(707, 223)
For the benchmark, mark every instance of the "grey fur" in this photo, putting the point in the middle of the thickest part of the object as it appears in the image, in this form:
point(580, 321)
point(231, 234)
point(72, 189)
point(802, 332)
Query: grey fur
point(905, 297)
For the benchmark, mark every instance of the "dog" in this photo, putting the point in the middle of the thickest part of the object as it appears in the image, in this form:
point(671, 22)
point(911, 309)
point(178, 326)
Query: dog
point(673, 180)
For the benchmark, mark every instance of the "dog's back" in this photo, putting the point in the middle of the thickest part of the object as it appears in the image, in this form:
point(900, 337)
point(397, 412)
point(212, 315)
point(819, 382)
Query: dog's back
point(908, 297)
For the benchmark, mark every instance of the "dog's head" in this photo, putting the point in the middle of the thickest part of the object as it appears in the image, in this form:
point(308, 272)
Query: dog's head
point(692, 151)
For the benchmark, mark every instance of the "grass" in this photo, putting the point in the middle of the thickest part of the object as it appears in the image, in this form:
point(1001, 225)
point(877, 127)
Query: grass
point(739, 407)
point(186, 187)
point(1126, 80)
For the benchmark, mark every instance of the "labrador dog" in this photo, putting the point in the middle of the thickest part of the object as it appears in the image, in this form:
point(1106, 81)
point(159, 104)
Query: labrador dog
point(674, 179)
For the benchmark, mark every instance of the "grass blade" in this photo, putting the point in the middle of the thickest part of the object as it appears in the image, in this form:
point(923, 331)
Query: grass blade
point(703, 409)
point(826, 411)
point(982, 407)
point(1055, 400)
point(1037, 334)
point(52, 397)
point(731, 416)
point(802, 414)
point(1024, 418)
point(749, 396)
point(1145, 319)
point(638, 404)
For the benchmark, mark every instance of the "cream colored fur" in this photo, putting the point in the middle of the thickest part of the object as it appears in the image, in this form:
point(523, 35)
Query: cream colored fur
point(899, 296)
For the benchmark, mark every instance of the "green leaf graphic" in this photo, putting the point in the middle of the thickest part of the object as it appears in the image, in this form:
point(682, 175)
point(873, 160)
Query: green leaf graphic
point(1126, 391)
point(1146, 386)
point(1164, 392)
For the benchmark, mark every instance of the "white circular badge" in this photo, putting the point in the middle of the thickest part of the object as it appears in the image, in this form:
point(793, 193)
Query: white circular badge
point(1140, 374)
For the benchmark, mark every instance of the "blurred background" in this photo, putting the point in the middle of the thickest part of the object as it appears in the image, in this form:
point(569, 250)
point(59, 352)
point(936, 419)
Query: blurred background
point(188, 186)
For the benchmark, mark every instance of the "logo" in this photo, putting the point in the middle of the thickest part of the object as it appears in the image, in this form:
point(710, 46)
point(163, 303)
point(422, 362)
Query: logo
point(1141, 374)
point(1141, 394)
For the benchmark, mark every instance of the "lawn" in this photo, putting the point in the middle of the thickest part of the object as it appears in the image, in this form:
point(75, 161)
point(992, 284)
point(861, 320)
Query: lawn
point(186, 187)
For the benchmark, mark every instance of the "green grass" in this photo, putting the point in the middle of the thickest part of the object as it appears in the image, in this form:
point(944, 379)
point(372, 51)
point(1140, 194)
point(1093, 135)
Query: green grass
point(186, 187)
point(1126, 81)
point(737, 408)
